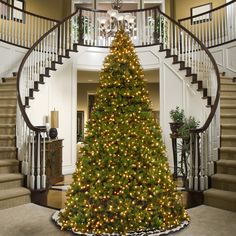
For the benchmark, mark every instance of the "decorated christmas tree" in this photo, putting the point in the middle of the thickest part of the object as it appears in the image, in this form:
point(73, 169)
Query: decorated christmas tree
point(122, 183)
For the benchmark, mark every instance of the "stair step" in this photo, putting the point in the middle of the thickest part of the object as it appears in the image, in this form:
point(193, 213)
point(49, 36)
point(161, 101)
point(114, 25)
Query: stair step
point(6, 92)
point(7, 129)
point(7, 153)
point(228, 92)
point(229, 108)
point(228, 153)
point(7, 118)
point(221, 199)
point(8, 85)
point(224, 182)
point(228, 140)
point(14, 197)
point(224, 100)
point(227, 85)
point(228, 118)
point(228, 129)
point(10, 79)
point(10, 100)
point(9, 166)
point(7, 140)
point(225, 78)
point(4, 108)
point(10, 180)
point(226, 167)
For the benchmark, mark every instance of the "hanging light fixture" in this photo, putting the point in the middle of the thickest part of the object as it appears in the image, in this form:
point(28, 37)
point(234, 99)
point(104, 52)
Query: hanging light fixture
point(114, 20)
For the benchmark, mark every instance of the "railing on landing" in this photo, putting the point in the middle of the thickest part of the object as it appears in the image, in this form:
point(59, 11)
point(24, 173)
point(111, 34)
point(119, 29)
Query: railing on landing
point(214, 27)
point(152, 27)
point(22, 28)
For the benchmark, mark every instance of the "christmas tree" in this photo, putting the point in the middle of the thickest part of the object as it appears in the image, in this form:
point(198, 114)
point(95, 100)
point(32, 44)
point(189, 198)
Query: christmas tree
point(122, 182)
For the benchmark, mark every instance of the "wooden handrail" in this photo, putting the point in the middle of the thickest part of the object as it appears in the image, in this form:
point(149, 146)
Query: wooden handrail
point(29, 13)
point(22, 108)
point(216, 102)
point(206, 12)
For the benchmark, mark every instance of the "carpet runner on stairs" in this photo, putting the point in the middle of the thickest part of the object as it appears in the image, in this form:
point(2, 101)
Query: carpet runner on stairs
point(11, 181)
point(223, 192)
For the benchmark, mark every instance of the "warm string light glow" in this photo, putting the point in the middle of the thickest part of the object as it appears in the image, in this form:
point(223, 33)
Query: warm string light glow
point(122, 182)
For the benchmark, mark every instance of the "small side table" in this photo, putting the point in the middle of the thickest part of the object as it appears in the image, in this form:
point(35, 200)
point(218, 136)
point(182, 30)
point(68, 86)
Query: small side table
point(174, 138)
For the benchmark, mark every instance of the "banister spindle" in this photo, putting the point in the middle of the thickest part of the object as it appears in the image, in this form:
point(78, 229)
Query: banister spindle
point(201, 164)
point(196, 145)
point(29, 159)
point(38, 180)
point(190, 182)
point(32, 176)
point(43, 165)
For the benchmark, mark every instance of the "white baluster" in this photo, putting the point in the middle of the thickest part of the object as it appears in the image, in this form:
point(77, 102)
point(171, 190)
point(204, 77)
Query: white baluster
point(32, 176)
point(29, 159)
point(202, 171)
point(160, 27)
point(206, 156)
point(190, 183)
point(43, 166)
point(38, 182)
point(196, 163)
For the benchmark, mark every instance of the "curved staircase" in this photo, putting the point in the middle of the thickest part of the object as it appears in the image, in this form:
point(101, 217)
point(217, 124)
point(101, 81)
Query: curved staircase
point(12, 192)
point(175, 41)
point(223, 191)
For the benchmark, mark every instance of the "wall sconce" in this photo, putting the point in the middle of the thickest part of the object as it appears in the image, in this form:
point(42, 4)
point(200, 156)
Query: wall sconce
point(54, 124)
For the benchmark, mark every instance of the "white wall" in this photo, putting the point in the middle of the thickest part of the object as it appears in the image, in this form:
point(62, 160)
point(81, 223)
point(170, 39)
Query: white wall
point(225, 57)
point(10, 58)
point(59, 92)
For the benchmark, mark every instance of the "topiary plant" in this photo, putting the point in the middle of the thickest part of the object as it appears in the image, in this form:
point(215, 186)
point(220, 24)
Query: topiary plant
point(177, 115)
point(188, 124)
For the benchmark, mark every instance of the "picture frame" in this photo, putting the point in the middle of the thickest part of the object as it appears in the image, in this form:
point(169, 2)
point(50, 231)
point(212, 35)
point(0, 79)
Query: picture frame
point(16, 14)
point(5, 10)
point(194, 11)
point(80, 126)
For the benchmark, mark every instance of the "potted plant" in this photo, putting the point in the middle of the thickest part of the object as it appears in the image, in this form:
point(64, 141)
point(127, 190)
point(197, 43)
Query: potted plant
point(177, 116)
point(188, 124)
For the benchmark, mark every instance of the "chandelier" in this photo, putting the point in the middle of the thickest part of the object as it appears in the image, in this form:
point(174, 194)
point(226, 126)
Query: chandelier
point(114, 20)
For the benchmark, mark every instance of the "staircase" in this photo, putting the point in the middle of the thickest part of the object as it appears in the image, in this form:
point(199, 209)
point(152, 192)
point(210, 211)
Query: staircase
point(223, 191)
point(11, 181)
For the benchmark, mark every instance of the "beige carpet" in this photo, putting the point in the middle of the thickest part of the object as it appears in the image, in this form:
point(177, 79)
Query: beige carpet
point(32, 220)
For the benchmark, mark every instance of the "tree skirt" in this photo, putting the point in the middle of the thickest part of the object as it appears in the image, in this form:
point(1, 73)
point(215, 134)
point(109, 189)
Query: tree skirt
point(55, 217)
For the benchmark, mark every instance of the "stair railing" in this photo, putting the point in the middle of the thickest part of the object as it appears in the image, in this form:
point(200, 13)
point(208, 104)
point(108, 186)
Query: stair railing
point(20, 27)
point(152, 27)
point(214, 27)
point(193, 56)
point(42, 57)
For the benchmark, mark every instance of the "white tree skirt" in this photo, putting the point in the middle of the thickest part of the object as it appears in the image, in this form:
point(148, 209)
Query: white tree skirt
point(55, 217)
